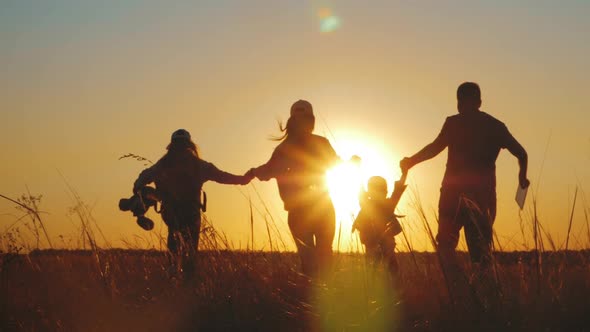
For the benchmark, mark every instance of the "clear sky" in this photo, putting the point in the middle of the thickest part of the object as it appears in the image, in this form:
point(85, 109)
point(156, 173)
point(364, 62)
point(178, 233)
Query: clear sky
point(84, 82)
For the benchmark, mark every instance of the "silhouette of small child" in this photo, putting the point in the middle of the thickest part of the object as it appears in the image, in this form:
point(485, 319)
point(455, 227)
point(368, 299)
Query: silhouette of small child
point(377, 224)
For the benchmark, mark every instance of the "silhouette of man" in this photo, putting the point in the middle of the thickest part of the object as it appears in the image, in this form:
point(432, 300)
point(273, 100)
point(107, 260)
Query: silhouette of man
point(468, 192)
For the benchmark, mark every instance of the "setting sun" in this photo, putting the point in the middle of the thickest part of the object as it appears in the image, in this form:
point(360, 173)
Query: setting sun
point(346, 179)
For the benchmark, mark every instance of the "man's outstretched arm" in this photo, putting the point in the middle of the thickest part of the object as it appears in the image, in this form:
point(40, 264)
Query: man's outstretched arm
point(428, 152)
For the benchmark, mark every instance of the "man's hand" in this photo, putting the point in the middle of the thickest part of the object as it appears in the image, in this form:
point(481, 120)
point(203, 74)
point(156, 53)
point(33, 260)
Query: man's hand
point(248, 176)
point(405, 164)
point(523, 181)
point(252, 172)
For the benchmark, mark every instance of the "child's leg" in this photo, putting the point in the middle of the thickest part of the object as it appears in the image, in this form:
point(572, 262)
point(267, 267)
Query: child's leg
point(373, 256)
point(388, 252)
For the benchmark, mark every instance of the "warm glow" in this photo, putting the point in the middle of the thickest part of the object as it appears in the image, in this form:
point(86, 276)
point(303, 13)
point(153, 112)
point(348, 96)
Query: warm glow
point(346, 180)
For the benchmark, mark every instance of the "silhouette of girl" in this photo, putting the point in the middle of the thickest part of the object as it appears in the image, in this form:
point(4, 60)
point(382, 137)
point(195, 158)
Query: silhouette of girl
point(299, 163)
point(179, 176)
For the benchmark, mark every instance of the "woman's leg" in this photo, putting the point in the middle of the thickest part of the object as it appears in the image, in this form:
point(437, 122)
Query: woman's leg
point(298, 224)
point(324, 231)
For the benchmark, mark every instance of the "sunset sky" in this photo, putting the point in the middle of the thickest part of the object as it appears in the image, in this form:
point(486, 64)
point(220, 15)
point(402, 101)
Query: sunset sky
point(83, 83)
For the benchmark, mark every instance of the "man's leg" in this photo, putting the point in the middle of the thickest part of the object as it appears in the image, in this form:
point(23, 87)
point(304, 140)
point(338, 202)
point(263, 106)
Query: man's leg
point(479, 237)
point(449, 225)
point(480, 213)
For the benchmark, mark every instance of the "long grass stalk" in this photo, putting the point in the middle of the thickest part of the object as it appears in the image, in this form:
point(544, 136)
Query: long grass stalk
point(84, 212)
point(272, 219)
point(538, 245)
point(268, 233)
point(410, 249)
point(251, 224)
point(265, 214)
point(569, 228)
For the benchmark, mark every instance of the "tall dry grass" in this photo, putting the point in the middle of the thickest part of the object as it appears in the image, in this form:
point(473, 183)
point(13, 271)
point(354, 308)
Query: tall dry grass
point(102, 288)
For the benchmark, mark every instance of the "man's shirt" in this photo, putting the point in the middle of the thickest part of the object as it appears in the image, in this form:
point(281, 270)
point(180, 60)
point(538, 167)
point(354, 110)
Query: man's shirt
point(474, 141)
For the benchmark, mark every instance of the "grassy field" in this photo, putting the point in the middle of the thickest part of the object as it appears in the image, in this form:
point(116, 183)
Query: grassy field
point(134, 290)
point(110, 289)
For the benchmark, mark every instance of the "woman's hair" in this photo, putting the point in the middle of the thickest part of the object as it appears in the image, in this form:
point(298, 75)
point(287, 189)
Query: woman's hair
point(294, 124)
point(179, 149)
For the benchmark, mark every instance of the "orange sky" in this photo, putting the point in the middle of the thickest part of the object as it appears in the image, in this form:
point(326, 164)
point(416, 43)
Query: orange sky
point(83, 84)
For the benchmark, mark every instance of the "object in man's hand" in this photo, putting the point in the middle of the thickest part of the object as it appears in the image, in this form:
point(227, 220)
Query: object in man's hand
point(521, 195)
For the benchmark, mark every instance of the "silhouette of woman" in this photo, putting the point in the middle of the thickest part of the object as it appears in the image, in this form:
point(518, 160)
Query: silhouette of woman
point(179, 176)
point(299, 163)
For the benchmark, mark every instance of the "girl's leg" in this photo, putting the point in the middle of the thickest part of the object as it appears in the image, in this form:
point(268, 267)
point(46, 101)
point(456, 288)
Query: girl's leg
point(191, 221)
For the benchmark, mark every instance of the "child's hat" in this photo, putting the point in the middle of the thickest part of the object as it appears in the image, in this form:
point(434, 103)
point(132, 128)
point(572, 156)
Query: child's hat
point(377, 183)
point(181, 134)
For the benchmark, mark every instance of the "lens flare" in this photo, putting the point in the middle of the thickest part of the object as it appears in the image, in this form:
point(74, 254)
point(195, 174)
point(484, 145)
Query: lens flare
point(328, 21)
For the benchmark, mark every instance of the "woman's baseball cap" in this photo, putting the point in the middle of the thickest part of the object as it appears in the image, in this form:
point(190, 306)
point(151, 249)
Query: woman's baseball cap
point(301, 107)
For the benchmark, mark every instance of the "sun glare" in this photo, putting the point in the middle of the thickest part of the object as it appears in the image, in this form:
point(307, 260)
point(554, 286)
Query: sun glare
point(346, 179)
